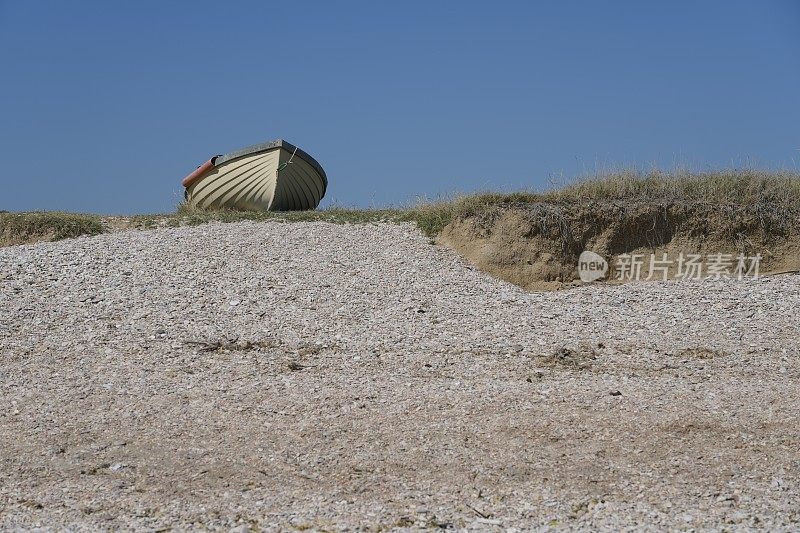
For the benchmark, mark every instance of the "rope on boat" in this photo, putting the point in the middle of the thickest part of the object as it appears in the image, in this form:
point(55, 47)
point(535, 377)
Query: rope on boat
point(289, 162)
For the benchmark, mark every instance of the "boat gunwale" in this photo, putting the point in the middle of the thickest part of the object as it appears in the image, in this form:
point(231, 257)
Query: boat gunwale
point(269, 146)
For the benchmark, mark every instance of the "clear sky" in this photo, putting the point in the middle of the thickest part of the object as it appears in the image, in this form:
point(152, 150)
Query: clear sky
point(105, 106)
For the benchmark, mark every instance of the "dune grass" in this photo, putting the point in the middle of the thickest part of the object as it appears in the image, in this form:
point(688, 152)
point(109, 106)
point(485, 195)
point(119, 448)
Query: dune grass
point(731, 187)
point(777, 193)
point(22, 228)
point(774, 193)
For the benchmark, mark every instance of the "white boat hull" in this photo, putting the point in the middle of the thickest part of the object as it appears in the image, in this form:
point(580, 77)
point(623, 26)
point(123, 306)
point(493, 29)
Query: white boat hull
point(271, 177)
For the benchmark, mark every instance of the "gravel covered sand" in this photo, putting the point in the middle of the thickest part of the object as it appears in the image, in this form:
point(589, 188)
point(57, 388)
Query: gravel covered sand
point(319, 376)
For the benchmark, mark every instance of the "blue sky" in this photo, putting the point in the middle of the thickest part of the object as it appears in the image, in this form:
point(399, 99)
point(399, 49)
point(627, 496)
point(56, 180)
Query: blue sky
point(105, 106)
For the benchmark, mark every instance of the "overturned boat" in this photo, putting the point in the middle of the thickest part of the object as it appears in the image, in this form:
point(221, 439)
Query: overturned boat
point(273, 176)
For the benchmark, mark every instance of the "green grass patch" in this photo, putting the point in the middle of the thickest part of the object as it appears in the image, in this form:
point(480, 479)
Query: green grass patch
point(431, 217)
point(191, 216)
point(22, 228)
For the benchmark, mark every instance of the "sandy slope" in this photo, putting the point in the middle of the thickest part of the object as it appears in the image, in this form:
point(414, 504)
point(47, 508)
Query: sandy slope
point(321, 376)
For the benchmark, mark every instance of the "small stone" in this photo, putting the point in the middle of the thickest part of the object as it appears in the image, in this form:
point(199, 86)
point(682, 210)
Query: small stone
point(615, 393)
